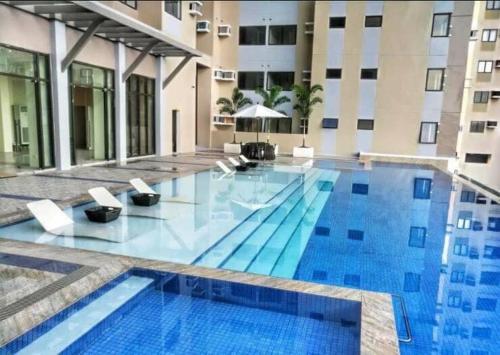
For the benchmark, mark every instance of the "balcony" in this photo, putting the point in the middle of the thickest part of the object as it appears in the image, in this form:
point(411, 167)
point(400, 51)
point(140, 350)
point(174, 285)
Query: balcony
point(195, 8)
point(203, 26)
point(224, 30)
point(222, 120)
point(224, 75)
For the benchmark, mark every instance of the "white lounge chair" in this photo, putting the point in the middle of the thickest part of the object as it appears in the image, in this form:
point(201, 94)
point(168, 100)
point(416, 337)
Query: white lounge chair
point(237, 165)
point(146, 195)
point(103, 197)
point(251, 164)
point(54, 221)
point(224, 167)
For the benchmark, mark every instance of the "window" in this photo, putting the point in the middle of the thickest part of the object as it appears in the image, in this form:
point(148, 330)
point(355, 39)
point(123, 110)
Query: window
point(173, 8)
point(369, 74)
point(461, 246)
point(485, 66)
point(489, 35)
point(477, 158)
point(455, 299)
point(422, 188)
point(360, 189)
point(493, 5)
point(477, 126)
point(330, 123)
point(411, 282)
point(468, 196)
point(282, 35)
point(130, 3)
point(373, 21)
point(253, 35)
point(250, 80)
point(428, 132)
point(457, 276)
point(464, 220)
point(277, 125)
point(417, 237)
point(355, 234)
point(481, 97)
point(481, 332)
point(334, 73)
point(494, 223)
point(486, 304)
point(441, 25)
point(366, 125)
point(490, 278)
point(435, 80)
point(491, 252)
point(337, 22)
point(283, 79)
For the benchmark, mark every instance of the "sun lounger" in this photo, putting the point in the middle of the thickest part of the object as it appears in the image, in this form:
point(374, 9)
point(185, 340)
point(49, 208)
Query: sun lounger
point(55, 222)
point(250, 164)
point(224, 167)
point(104, 198)
point(146, 196)
point(237, 165)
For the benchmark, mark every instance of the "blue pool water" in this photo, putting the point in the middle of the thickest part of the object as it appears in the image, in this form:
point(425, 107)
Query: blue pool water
point(410, 231)
point(169, 313)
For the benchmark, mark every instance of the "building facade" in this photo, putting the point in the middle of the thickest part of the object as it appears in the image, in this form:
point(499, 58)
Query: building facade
point(479, 138)
point(393, 75)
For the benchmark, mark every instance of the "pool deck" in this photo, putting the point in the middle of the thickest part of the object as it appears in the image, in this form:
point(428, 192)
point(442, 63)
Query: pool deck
point(69, 188)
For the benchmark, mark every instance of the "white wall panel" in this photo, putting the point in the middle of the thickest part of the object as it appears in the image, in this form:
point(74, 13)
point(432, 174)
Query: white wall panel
point(332, 98)
point(366, 102)
point(364, 140)
point(337, 8)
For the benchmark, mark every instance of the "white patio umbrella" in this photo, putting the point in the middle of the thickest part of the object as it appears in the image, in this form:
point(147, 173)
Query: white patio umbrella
point(258, 111)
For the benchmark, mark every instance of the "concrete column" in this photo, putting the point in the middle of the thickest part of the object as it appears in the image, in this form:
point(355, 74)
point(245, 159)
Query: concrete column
point(160, 109)
point(120, 104)
point(60, 96)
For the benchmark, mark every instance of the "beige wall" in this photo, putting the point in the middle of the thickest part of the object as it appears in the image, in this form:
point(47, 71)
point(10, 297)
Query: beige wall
point(489, 141)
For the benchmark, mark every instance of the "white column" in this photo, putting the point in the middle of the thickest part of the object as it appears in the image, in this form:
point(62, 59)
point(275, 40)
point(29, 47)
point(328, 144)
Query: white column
point(120, 104)
point(60, 96)
point(160, 109)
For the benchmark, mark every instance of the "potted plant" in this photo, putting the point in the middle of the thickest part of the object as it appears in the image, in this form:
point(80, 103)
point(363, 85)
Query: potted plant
point(233, 105)
point(306, 98)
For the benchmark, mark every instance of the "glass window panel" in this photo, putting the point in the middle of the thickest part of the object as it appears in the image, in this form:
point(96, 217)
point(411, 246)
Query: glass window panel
point(46, 125)
point(282, 35)
point(435, 79)
point(283, 79)
point(365, 125)
point(13, 61)
point(252, 35)
point(173, 7)
point(441, 25)
point(250, 80)
point(337, 22)
point(428, 132)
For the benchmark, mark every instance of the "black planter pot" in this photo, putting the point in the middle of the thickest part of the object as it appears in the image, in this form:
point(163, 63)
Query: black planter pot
point(252, 164)
point(146, 199)
point(241, 168)
point(103, 214)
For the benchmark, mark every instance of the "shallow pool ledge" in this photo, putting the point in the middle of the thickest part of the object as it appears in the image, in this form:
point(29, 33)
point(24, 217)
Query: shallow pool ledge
point(378, 328)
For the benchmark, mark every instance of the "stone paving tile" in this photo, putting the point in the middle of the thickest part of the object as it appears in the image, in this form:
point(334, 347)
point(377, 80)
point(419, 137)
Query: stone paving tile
point(11, 205)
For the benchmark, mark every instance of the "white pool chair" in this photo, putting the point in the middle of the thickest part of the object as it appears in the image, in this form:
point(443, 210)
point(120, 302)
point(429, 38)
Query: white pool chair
point(245, 160)
point(237, 165)
point(103, 197)
point(224, 167)
point(55, 222)
point(141, 187)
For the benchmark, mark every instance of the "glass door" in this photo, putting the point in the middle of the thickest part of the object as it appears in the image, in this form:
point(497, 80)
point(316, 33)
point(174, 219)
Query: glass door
point(92, 121)
point(25, 121)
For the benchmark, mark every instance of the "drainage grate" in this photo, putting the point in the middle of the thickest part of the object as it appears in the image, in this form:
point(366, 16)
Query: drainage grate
point(44, 292)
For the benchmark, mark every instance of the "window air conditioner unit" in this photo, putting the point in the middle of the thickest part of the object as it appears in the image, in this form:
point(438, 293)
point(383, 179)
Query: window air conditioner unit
point(224, 30)
point(491, 124)
point(195, 8)
point(495, 94)
point(309, 28)
point(224, 75)
point(203, 26)
point(473, 35)
point(306, 75)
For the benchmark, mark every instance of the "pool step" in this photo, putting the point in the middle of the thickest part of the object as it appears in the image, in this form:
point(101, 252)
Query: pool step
point(291, 250)
point(65, 333)
point(282, 221)
point(218, 253)
point(298, 228)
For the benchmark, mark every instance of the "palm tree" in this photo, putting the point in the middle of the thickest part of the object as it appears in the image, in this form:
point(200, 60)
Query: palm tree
point(272, 99)
point(306, 99)
point(233, 105)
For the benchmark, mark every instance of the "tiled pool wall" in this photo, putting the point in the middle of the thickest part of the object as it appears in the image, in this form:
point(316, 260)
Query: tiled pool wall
point(346, 313)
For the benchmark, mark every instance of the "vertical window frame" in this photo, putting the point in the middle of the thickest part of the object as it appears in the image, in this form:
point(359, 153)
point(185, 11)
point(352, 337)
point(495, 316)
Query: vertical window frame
point(441, 83)
point(435, 124)
point(448, 14)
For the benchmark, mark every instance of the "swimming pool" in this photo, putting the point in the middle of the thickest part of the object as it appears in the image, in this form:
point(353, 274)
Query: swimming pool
point(152, 312)
point(407, 230)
